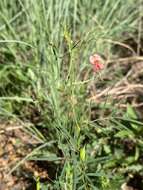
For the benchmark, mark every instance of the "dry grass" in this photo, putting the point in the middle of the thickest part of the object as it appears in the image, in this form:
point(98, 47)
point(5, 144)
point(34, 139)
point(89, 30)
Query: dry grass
point(128, 88)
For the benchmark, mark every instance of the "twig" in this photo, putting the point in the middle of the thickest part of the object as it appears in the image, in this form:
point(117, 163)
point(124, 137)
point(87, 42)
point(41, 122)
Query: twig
point(10, 129)
point(126, 59)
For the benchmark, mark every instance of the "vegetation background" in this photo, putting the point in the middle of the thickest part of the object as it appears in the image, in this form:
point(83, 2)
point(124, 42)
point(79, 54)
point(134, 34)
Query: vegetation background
point(83, 129)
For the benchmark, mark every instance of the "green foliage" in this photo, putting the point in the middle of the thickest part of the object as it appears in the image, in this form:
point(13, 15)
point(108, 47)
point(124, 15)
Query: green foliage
point(45, 47)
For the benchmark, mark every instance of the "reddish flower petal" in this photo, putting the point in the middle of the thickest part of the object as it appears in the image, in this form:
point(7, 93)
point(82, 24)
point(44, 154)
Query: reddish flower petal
point(97, 57)
point(96, 61)
point(92, 59)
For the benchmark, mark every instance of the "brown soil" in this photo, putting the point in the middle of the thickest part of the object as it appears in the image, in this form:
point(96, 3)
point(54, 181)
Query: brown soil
point(15, 145)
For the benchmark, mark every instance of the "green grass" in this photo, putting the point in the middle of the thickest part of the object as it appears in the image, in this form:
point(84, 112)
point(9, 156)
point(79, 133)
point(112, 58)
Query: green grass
point(45, 49)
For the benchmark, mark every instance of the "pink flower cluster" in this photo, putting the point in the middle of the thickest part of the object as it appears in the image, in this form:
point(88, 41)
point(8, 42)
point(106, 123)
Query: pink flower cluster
point(96, 62)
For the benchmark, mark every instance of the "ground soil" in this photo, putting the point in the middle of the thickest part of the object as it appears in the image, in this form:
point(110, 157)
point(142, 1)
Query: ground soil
point(15, 144)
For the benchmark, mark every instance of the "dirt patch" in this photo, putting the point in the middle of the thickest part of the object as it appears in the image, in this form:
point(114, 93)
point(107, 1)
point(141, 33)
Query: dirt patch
point(15, 145)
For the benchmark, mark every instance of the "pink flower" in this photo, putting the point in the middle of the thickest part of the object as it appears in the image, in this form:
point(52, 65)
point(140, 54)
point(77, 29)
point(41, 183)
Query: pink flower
point(96, 62)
